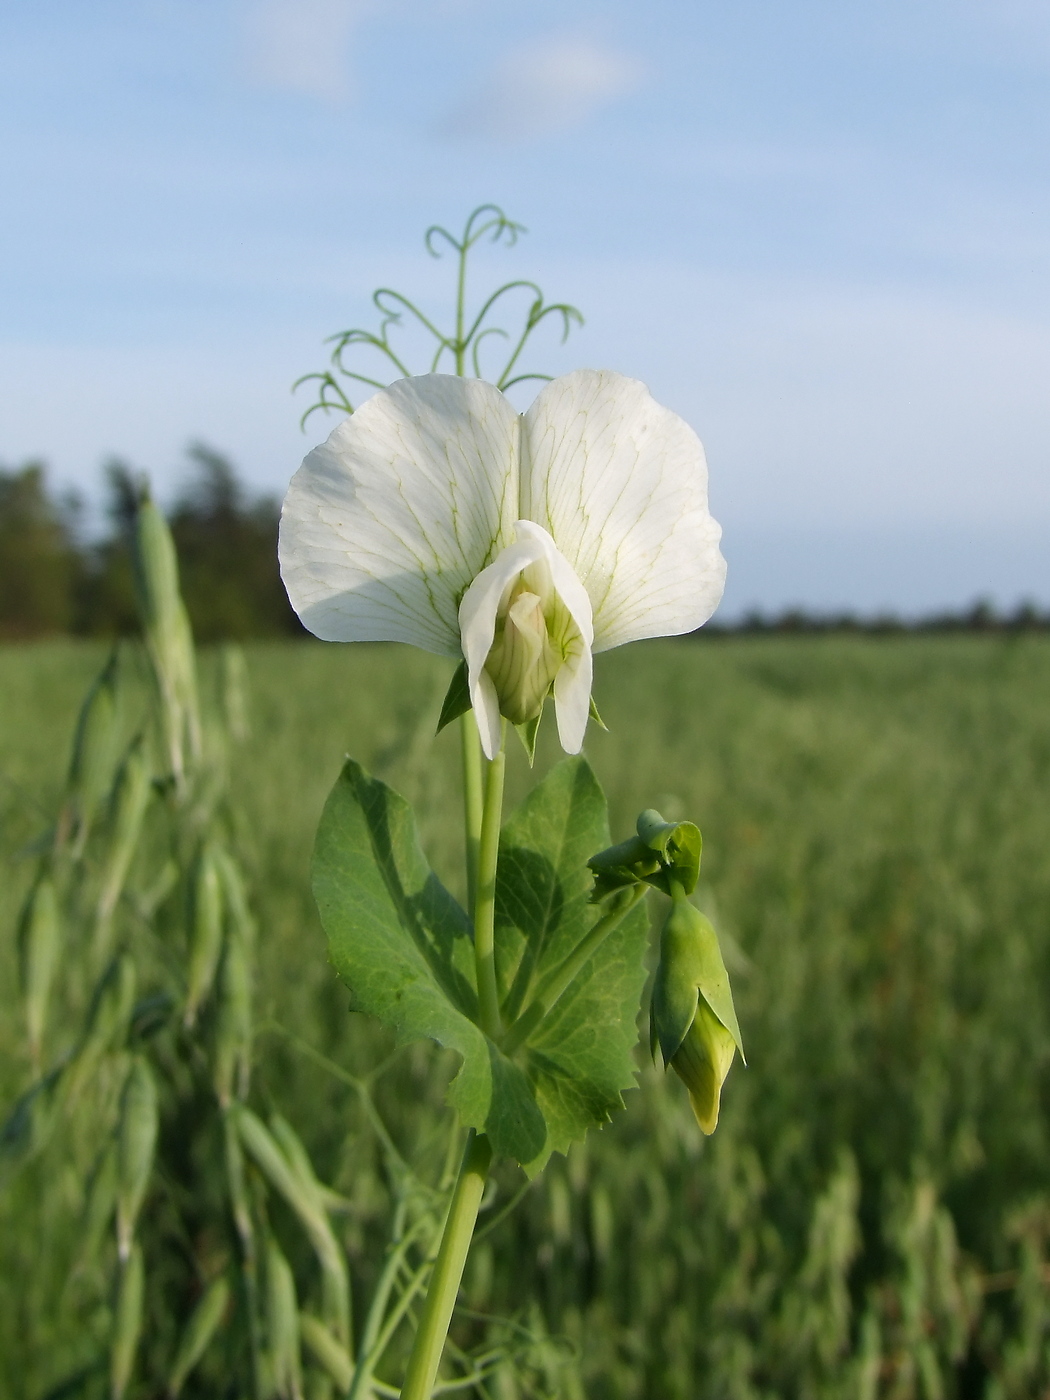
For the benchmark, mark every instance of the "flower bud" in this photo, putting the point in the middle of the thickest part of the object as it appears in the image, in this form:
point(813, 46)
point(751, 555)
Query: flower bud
point(522, 663)
point(525, 629)
point(693, 1018)
point(662, 854)
point(702, 1062)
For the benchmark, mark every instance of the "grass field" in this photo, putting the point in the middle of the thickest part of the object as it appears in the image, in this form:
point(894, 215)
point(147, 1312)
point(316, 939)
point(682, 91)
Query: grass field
point(873, 1215)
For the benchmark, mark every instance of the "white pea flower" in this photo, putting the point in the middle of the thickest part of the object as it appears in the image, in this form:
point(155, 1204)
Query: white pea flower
point(437, 515)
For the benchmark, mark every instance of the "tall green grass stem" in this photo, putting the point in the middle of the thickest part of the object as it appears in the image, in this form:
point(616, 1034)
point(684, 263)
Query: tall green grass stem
point(448, 1268)
point(485, 901)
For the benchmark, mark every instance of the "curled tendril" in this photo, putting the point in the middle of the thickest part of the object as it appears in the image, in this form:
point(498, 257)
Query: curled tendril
point(455, 350)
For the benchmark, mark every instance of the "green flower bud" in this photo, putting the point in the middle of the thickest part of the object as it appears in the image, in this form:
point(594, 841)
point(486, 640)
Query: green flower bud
point(522, 663)
point(662, 854)
point(693, 1018)
point(702, 1062)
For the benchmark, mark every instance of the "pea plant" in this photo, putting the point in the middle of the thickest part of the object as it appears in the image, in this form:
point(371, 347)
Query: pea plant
point(518, 546)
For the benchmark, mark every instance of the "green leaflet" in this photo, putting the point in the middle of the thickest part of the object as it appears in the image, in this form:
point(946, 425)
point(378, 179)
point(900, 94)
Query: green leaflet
point(579, 1059)
point(402, 945)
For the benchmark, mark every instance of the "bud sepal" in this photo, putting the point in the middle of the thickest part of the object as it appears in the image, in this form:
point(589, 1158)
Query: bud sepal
point(662, 854)
point(693, 1019)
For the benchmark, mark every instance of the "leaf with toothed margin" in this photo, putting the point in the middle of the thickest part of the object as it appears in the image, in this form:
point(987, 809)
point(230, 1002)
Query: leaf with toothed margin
point(402, 945)
point(579, 1060)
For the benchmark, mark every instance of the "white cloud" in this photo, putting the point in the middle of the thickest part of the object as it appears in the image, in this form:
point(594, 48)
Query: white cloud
point(304, 45)
point(545, 87)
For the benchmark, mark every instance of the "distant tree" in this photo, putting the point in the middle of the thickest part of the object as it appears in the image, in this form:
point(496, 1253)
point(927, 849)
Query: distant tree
point(227, 547)
point(39, 562)
point(105, 599)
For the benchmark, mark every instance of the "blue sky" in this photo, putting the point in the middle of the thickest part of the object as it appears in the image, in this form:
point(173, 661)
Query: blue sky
point(820, 231)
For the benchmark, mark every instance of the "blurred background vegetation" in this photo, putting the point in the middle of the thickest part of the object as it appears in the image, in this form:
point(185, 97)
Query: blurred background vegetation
point(872, 1218)
point(57, 577)
point(870, 1222)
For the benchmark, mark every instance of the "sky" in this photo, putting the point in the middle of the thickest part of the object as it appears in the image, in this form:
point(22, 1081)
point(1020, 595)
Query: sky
point(819, 231)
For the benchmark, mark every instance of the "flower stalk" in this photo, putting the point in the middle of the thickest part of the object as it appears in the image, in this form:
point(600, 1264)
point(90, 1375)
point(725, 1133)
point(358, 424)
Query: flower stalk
point(473, 800)
point(448, 1270)
point(485, 901)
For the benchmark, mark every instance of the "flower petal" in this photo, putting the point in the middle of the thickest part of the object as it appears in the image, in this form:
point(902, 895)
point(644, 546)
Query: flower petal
point(477, 619)
point(388, 521)
point(621, 484)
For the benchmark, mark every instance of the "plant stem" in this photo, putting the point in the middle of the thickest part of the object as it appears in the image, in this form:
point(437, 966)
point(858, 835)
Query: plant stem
point(448, 1270)
point(485, 901)
point(473, 799)
point(557, 981)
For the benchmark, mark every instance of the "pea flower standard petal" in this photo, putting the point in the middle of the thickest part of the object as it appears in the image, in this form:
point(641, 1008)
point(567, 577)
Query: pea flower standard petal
point(438, 516)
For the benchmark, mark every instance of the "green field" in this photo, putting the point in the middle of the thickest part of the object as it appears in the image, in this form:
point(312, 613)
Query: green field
point(872, 1217)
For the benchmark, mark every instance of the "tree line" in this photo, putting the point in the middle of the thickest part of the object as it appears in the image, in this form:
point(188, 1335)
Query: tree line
point(53, 580)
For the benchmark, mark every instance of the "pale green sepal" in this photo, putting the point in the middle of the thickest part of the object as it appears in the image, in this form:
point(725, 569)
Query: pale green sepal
point(662, 854)
point(457, 698)
point(675, 999)
point(527, 733)
point(678, 844)
point(689, 950)
point(597, 717)
point(402, 945)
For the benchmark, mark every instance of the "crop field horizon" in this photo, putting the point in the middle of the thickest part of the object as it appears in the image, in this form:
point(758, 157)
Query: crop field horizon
point(872, 1216)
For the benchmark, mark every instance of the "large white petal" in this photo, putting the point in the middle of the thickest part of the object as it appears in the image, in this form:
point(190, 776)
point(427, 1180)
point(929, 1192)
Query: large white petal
point(388, 521)
point(621, 484)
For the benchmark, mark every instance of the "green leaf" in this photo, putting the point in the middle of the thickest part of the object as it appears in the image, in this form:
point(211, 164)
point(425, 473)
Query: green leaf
point(402, 945)
point(457, 698)
point(579, 1059)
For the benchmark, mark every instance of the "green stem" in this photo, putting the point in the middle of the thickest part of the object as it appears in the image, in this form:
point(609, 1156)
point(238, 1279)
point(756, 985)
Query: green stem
point(378, 1330)
point(485, 901)
point(448, 1271)
point(473, 799)
point(560, 978)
